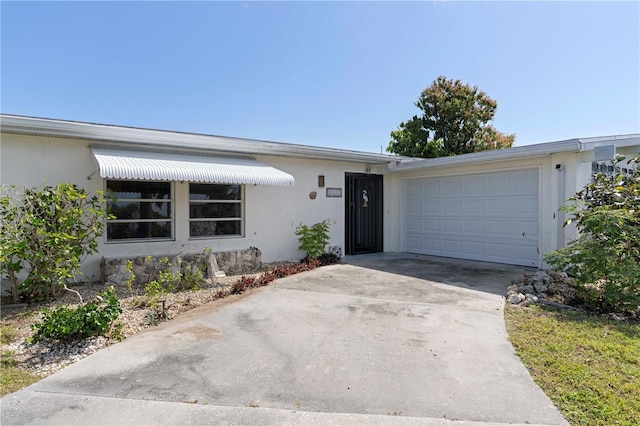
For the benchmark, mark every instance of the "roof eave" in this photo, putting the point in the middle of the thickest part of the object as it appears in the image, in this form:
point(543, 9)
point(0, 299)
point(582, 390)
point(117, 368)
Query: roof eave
point(168, 139)
point(537, 150)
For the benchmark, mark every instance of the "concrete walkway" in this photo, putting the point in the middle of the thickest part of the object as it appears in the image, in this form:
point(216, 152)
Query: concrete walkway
point(384, 339)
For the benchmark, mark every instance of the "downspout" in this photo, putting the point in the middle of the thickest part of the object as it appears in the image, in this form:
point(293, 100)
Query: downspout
point(560, 216)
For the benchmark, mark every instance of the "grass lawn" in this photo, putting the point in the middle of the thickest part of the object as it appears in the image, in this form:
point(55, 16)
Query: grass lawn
point(11, 378)
point(588, 366)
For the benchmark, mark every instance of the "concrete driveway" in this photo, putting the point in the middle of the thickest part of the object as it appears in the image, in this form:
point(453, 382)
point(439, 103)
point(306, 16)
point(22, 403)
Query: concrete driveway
point(381, 339)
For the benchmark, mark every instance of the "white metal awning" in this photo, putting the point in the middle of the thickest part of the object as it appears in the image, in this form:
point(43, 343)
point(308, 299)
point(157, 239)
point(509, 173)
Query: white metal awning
point(148, 165)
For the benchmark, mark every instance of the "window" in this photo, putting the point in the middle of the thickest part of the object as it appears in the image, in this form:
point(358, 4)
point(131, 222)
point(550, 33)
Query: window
point(142, 210)
point(215, 210)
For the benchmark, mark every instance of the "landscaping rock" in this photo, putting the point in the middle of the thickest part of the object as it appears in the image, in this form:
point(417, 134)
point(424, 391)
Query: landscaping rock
point(515, 298)
point(542, 276)
point(115, 271)
point(541, 287)
point(531, 297)
point(525, 288)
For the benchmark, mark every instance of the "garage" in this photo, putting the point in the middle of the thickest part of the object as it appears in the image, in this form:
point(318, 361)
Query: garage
point(491, 217)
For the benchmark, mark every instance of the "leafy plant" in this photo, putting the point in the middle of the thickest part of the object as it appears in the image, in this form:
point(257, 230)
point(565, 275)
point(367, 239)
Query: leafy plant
point(46, 232)
point(313, 239)
point(243, 284)
point(115, 331)
point(604, 260)
point(91, 319)
point(191, 278)
point(157, 314)
point(328, 259)
point(130, 278)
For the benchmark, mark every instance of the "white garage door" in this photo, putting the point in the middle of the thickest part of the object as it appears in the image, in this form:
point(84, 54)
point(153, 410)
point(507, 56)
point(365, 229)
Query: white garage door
point(487, 216)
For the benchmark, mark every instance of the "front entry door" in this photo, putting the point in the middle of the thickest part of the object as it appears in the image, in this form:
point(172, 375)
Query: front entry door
point(363, 213)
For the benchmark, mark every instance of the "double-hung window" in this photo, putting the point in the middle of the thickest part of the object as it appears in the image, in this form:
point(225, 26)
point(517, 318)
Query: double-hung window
point(215, 210)
point(140, 210)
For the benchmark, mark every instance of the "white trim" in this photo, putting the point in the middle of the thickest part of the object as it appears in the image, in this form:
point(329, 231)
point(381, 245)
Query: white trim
point(528, 151)
point(130, 136)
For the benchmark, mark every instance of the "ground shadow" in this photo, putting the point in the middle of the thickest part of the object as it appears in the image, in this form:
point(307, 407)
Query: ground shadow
point(488, 277)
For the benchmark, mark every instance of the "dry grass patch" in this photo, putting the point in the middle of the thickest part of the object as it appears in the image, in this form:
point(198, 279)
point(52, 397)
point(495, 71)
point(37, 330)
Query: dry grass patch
point(11, 377)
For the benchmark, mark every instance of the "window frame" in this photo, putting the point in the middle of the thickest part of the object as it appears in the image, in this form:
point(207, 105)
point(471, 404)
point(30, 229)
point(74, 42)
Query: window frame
point(241, 219)
point(171, 219)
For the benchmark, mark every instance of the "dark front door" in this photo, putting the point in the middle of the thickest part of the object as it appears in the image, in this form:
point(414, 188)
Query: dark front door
point(363, 213)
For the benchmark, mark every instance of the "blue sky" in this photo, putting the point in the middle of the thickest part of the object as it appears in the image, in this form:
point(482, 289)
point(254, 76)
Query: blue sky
point(337, 74)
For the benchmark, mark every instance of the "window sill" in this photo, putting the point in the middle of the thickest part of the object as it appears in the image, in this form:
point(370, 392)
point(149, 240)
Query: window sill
point(140, 240)
point(217, 237)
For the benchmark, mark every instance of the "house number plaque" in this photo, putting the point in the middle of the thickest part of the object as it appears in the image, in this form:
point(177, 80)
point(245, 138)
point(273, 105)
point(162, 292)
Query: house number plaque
point(334, 192)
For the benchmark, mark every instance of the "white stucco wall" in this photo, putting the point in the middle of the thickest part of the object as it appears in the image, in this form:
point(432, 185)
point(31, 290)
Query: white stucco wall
point(271, 213)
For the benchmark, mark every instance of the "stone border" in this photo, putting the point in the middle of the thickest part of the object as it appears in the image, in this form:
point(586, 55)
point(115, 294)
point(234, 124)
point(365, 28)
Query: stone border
point(544, 287)
point(146, 268)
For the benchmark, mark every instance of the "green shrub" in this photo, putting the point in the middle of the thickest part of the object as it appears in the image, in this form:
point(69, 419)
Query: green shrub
point(328, 259)
point(46, 232)
point(604, 260)
point(313, 239)
point(91, 319)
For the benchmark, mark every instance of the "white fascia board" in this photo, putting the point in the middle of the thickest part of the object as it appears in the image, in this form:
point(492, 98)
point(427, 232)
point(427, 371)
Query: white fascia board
point(536, 150)
point(179, 140)
point(572, 145)
point(620, 141)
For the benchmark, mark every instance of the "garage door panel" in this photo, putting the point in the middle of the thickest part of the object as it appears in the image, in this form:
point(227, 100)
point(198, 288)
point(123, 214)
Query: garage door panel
point(431, 189)
point(432, 245)
point(431, 207)
point(452, 185)
point(501, 227)
point(498, 183)
point(474, 226)
point(414, 189)
point(451, 206)
point(487, 216)
point(474, 207)
point(526, 205)
point(497, 249)
point(414, 225)
point(431, 225)
point(452, 247)
point(414, 244)
point(414, 207)
point(474, 248)
point(525, 183)
point(499, 206)
point(452, 226)
point(473, 186)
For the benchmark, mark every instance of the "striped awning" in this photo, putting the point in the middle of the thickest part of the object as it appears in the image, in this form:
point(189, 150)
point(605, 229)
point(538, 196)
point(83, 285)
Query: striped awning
point(149, 165)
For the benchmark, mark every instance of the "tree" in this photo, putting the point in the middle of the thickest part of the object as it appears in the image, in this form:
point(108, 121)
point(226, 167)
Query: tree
point(46, 232)
point(454, 121)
